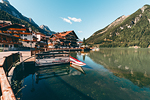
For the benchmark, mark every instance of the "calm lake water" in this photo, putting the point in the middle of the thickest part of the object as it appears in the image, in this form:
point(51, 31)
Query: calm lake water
point(110, 74)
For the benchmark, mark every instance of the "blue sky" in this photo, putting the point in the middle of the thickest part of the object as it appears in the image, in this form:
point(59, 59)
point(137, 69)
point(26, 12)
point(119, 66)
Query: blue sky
point(83, 16)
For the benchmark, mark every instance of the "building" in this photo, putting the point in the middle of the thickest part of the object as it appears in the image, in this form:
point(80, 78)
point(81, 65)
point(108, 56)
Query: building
point(4, 23)
point(9, 42)
point(79, 43)
point(63, 39)
point(28, 38)
point(42, 40)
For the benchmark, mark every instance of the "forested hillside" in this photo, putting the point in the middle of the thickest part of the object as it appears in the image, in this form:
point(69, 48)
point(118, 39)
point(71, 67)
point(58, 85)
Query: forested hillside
point(132, 30)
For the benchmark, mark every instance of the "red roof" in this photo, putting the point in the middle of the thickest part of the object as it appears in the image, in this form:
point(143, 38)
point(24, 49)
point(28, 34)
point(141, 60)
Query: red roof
point(16, 35)
point(58, 36)
point(80, 42)
point(65, 33)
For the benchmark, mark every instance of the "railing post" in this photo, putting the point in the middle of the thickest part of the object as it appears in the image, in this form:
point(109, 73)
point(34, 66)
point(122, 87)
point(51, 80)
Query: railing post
point(13, 58)
point(5, 66)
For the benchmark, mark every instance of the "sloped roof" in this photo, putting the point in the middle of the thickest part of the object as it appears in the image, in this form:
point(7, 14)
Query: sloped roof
point(63, 34)
point(67, 32)
point(13, 26)
point(9, 35)
point(57, 36)
point(16, 35)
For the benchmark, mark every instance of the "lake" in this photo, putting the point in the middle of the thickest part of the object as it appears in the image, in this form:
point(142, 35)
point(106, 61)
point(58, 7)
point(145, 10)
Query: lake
point(109, 74)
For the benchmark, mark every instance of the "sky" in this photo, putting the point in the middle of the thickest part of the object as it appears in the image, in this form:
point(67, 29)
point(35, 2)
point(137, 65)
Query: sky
point(83, 16)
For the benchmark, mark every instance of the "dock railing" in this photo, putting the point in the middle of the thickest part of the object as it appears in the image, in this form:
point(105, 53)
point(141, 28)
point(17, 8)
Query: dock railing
point(9, 61)
point(6, 92)
point(33, 52)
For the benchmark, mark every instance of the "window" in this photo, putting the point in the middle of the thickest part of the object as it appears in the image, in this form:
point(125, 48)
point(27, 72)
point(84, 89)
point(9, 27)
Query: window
point(4, 38)
point(6, 45)
point(21, 34)
point(25, 35)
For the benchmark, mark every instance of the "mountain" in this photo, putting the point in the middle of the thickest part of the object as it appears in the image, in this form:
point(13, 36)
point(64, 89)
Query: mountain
point(131, 30)
point(46, 28)
point(12, 11)
point(6, 6)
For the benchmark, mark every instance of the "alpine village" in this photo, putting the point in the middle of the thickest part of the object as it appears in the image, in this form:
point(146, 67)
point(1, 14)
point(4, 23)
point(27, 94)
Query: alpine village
point(23, 41)
point(28, 50)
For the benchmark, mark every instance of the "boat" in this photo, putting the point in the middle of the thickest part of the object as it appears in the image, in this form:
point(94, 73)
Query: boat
point(74, 61)
point(56, 58)
point(52, 58)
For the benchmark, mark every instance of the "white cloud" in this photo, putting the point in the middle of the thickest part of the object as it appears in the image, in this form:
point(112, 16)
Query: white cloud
point(66, 20)
point(75, 19)
point(79, 31)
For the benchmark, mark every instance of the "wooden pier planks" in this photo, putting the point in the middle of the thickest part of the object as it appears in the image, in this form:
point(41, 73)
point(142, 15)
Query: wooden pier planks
point(7, 93)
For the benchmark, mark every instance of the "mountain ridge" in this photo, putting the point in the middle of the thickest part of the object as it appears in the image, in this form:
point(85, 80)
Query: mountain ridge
point(46, 28)
point(125, 31)
point(7, 7)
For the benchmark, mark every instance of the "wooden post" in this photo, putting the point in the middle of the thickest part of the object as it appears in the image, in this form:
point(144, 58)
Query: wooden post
point(13, 58)
point(5, 65)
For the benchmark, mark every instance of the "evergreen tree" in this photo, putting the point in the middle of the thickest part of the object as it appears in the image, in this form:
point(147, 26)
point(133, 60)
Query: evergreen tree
point(83, 41)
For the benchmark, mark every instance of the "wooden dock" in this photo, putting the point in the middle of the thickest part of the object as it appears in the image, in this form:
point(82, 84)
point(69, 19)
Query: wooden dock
point(33, 52)
point(7, 59)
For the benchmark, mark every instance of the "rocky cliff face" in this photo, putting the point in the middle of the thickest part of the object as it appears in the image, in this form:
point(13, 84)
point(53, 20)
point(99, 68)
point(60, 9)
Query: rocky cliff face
point(46, 28)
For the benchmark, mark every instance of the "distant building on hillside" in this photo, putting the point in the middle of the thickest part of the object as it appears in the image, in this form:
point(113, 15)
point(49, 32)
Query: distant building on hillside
point(63, 39)
point(4, 23)
point(79, 43)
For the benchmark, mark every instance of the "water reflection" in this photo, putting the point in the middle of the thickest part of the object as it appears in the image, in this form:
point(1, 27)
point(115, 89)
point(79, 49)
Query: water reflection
point(126, 63)
point(79, 68)
point(50, 72)
point(37, 74)
point(71, 83)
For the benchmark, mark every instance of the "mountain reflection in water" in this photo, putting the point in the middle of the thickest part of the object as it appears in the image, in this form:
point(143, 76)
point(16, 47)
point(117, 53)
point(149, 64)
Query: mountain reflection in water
point(109, 74)
point(132, 64)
